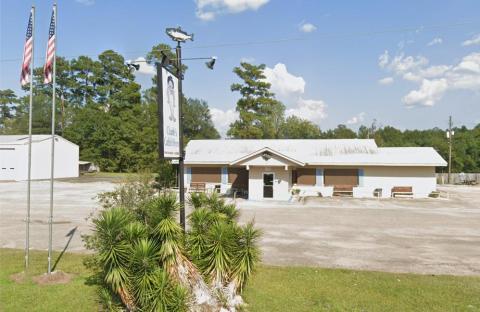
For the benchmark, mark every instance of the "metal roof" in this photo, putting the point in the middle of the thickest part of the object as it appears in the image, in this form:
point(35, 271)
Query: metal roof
point(353, 152)
point(21, 139)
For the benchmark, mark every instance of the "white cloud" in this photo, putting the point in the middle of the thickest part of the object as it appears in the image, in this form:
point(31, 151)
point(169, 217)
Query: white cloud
point(429, 72)
point(86, 2)
point(473, 41)
point(307, 27)
point(430, 91)
point(356, 119)
point(313, 110)
point(435, 41)
point(205, 16)
point(283, 83)
point(222, 119)
point(207, 10)
point(386, 81)
point(383, 59)
point(290, 90)
point(145, 68)
point(402, 64)
point(435, 81)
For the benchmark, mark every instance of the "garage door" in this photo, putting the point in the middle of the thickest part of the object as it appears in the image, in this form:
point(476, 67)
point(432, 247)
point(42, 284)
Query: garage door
point(341, 177)
point(206, 174)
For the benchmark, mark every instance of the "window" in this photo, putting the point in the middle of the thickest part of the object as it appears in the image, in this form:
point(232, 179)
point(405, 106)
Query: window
point(304, 176)
point(206, 174)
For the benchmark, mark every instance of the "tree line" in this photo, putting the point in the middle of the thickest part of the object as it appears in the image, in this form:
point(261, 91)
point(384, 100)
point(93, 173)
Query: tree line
point(103, 110)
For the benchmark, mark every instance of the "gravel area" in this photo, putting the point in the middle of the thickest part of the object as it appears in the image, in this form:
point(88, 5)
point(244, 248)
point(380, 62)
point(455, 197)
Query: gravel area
point(429, 236)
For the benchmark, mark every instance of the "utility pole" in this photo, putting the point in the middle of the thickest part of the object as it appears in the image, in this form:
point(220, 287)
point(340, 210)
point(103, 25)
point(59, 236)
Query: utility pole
point(450, 134)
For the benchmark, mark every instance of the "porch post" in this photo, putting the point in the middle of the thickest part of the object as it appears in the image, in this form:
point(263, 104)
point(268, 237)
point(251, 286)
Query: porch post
point(319, 177)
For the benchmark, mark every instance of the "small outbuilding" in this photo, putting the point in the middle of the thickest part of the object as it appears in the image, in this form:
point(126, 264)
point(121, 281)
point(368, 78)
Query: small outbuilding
point(14, 157)
point(279, 169)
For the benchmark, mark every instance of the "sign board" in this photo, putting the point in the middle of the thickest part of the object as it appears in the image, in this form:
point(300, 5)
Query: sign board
point(169, 117)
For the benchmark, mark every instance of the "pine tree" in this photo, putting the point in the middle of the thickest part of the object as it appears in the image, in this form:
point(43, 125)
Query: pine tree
point(261, 115)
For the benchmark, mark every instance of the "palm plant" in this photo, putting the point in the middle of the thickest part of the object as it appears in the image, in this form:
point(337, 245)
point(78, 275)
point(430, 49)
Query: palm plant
point(114, 251)
point(147, 263)
point(225, 252)
point(247, 254)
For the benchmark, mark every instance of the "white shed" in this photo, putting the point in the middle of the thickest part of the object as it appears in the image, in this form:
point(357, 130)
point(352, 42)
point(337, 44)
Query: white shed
point(14, 157)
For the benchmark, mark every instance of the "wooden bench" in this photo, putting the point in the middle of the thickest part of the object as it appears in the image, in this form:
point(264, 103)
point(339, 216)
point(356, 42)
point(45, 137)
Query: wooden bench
point(402, 190)
point(340, 190)
point(197, 187)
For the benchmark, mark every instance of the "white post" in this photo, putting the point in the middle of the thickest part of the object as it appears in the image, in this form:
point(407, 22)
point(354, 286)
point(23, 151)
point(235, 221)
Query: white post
point(52, 165)
point(29, 166)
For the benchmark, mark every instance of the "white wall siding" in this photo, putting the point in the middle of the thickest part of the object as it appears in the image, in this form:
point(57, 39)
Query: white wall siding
point(281, 183)
point(66, 160)
point(421, 179)
point(9, 162)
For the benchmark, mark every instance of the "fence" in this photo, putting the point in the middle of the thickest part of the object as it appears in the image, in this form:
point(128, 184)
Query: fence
point(458, 178)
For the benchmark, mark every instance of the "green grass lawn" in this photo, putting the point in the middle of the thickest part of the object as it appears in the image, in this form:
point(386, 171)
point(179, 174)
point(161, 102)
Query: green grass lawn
point(272, 289)
point(28, 296)
point(311, 289)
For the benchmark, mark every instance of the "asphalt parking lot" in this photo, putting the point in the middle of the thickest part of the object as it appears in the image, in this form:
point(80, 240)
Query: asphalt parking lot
point(429, 236)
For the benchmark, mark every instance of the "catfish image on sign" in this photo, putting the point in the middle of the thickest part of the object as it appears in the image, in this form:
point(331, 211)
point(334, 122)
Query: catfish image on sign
point(177, 34)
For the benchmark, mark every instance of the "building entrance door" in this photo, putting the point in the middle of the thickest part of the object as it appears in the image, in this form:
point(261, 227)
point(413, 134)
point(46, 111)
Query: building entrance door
point(268, 178)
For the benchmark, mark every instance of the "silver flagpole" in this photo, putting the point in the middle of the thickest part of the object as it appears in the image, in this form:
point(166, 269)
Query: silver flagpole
point(52, 165)
point(29, 170)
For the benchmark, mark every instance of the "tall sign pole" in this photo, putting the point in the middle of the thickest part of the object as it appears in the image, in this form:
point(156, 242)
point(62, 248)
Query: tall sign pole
point(52, 156)
point(29, 46)
point(181, 168)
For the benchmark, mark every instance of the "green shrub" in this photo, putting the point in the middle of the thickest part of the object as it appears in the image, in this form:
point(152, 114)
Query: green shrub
point(145, 262)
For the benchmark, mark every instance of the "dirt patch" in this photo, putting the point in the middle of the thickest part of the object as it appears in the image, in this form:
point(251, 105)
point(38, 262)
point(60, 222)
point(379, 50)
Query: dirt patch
point(57, 277)
point(18, 278)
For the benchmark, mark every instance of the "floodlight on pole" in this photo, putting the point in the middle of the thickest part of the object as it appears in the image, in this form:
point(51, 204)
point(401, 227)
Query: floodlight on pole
point(133, 66)
point(211, 63)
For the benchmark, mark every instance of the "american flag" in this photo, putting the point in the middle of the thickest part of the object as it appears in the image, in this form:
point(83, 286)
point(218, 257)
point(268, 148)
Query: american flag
point(48, 69)
point(27, 53)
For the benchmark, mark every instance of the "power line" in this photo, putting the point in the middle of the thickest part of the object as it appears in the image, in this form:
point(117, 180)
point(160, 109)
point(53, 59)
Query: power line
point(292, 39)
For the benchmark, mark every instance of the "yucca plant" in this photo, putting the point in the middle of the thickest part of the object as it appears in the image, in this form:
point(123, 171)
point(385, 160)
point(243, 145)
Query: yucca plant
point(114, 251)
point(147, 263)
point(216, 262)
point(247, 254)
point(225, 252)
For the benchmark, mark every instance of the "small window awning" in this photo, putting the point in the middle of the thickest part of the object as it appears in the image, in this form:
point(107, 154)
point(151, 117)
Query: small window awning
point(265, 153)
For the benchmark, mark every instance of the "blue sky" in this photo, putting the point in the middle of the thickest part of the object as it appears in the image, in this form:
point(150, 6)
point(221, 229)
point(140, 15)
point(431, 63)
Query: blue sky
point(409, 64)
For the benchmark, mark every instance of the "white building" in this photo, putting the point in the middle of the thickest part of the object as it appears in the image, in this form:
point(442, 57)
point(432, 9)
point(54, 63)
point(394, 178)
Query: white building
point(275, 168)
point(14, 157)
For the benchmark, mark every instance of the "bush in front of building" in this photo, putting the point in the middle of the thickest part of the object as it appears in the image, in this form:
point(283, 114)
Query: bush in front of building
point(145, 262)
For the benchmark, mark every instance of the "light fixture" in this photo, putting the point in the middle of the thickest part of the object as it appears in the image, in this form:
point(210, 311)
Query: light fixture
point(211, 63)
point(177, 34)
point(133, 66)
point(266, 156)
